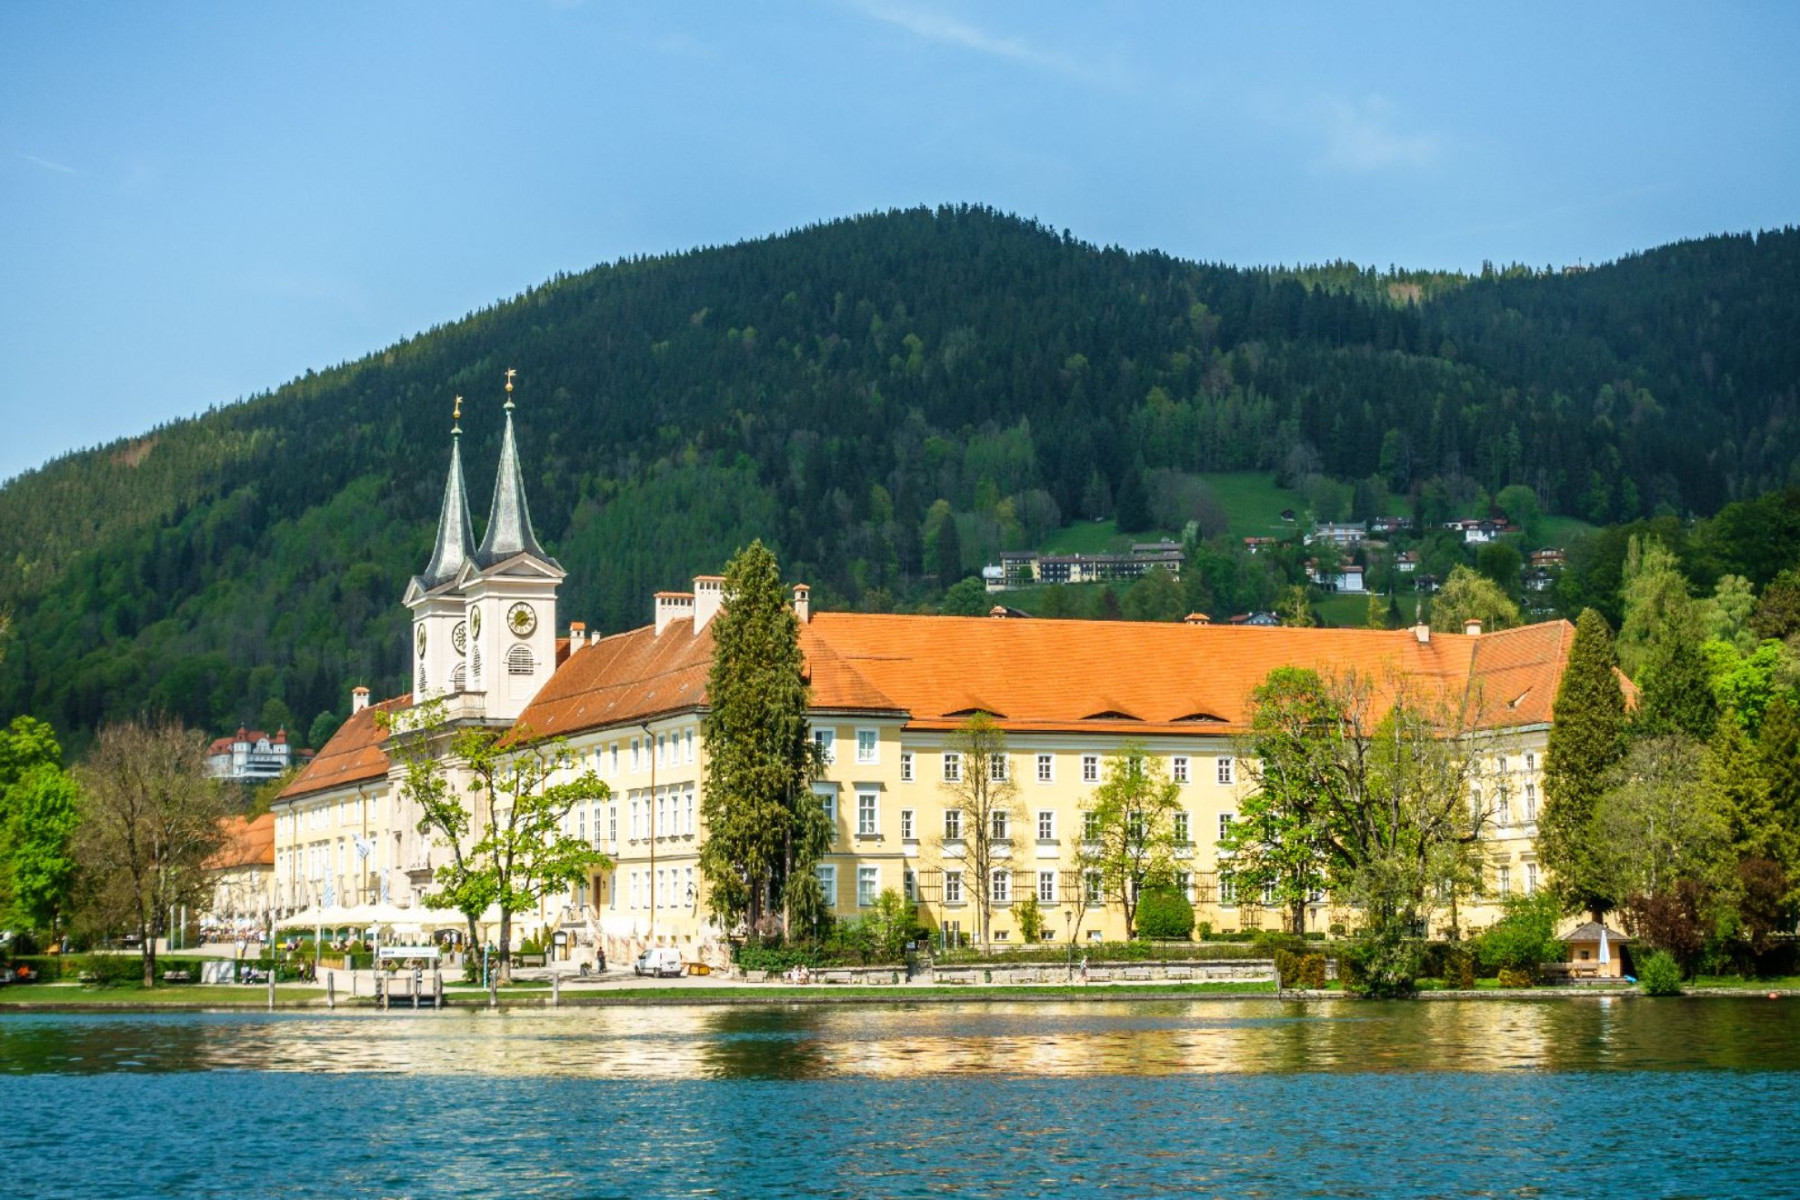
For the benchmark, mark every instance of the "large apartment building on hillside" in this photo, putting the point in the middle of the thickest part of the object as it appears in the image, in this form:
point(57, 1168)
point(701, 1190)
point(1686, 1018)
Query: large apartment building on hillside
point(888, 693)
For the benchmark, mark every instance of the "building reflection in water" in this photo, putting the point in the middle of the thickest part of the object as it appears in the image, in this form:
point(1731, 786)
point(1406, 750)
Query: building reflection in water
point(929, 1041)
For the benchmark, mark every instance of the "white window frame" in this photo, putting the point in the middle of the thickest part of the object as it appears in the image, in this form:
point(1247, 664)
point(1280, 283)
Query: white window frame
point(1046, 887)
point(952, 767)
point(868, 812)
point(953, 887)
point(828, 801)
point(826, 741)
point(1183, 827)
point(1046, 768)
point(1090, 768)
point(1225, 769)
point(1000, 886)
point(868, 886)
point(1225, 820)
point(1178, 768)
point(1046, 824)
point(828, 882)
point(999, 768)
point(909, 832)
point(953, 824)
point(868, 745)
point(1000, 825)
point(906, 766)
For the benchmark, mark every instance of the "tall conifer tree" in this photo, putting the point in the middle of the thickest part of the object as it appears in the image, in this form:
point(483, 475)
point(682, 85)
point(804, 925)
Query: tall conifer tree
point(1585, 740)
point(764, 826)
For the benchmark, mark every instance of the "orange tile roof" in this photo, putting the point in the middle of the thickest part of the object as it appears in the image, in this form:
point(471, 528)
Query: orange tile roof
point(247, 843)
point(353, 755)
point(1112, 677)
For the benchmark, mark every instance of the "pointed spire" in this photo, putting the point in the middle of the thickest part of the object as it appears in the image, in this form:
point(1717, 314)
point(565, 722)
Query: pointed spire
point(456, 530)
point(509, 519)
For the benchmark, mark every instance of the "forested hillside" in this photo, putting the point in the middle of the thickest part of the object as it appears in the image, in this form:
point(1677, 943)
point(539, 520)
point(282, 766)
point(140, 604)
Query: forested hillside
point(825, 390)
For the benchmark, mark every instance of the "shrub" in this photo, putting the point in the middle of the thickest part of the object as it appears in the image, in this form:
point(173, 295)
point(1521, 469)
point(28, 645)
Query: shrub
point(1516, 977)
point(1660, 975)
point(1459, 968)
point(1524, 939)
point(1381, 963)
point(1300, 970)
point(109, 970)
point(1165, 913)
point(1028, 918)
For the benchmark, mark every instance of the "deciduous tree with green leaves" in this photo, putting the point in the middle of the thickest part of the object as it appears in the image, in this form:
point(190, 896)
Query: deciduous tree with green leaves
point(1128, 833)
point(984, 798)
point(1467, 596)
point(1586, 739)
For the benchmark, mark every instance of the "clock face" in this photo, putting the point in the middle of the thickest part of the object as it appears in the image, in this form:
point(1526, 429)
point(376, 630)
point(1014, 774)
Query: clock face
point(521, 620)
point(420, 639)
point(475, 621)
point(459, 637)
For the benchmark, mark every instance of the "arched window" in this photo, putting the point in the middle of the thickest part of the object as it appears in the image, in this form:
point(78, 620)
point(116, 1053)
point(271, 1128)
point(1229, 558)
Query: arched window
point(519, 662)
point(459, 678)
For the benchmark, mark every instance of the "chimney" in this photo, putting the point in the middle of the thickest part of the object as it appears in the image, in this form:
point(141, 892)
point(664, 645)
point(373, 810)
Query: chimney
point(803, 602)
point(577, 635)
point(1422, 631)
point(672, 606)
point(709, 598)
point(1472, 627)
point(359, 699)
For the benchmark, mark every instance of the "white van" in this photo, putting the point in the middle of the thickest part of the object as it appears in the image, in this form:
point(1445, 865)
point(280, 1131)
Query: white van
point(659, 961)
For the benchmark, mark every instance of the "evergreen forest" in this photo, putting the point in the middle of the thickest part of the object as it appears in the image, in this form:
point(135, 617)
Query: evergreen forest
point(888, 401)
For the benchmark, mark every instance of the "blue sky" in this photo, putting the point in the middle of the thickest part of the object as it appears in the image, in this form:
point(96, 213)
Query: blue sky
point(202, 200)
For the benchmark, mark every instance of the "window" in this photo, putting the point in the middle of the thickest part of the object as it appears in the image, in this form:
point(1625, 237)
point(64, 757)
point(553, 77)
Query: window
point(1046, 825)
point(634, 754)
point(1531, 762)
point(1226, 772)
point(1227, 890)
point(1181, 827)
point(826, 741)
point(1095, 888)
point(1090, 826)
point(612, 824)
point(1000, 825)
point(865, 814)
point(953, 824)
point(661, 828)
point(868, 880)
point(1530, 879)
point(687, 825)
point(907, 832)
point(906, 766)
point(1046, 768)
point(615, 758)
point(1225, 825)
point(953, 887)
point(909, 885)
point(634, 890)
point(634, 819)
point(1184, 883)
point(687, 750)
point(581, 823)
point(866, 744)
point(828, 882)
point(1503, 881)
point(663, 754)
point(1178, 768)
point(689, 895)
point(952, 768)
point(1531, 801)
point(1000, 886)
point(997, 768)
point(1046, 892)
point(1503, 808)
point(1268, 893)
point(828, 801)
point(1090, 768)
point(519, 661)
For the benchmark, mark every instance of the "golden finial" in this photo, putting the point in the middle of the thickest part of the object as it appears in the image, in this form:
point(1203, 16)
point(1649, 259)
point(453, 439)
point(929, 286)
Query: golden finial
point(456, 414)
point(509, 378)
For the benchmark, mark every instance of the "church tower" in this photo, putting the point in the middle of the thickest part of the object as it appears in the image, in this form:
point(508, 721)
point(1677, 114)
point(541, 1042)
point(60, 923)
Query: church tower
point(509, 586)
point(439, 635)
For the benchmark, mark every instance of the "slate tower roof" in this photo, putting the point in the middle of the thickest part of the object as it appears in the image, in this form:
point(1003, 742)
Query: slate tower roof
point(509, 529)
point(456, 531)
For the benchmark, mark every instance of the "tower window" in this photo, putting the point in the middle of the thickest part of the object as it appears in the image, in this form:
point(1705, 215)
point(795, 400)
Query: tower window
point(519, 661)
point(459, 678)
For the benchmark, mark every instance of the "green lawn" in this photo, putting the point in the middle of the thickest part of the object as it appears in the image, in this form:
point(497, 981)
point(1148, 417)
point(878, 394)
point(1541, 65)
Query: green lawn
point(1560, 531)
point(1773, 983)
point(222, 995)
point(1099, 537)
point(1345, 612)
point(1254, 503)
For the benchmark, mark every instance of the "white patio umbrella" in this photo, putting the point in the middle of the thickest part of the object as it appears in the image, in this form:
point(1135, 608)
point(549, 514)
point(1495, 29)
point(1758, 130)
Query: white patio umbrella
point(1605, 955)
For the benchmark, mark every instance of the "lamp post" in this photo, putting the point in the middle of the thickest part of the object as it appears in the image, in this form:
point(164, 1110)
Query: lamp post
point(650, 813)
point(1069, 938)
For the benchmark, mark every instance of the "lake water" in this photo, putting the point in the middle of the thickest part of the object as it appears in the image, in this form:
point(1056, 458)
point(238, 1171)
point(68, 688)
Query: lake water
point(1587, 1097)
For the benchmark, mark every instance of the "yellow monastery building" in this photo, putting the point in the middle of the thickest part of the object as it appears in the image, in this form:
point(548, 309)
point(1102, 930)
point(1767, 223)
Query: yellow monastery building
point(887, 694)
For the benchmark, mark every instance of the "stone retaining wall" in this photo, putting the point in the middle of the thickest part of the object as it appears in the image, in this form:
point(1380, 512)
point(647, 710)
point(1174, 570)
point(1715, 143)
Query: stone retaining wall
point(1236, 970)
